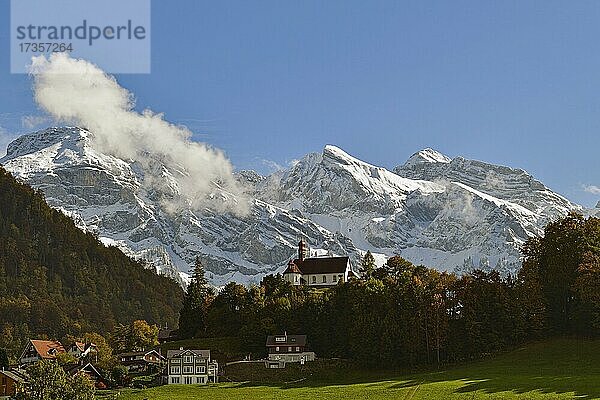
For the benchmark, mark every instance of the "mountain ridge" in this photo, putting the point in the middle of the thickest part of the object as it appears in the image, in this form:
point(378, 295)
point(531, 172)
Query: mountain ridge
point(448, 213)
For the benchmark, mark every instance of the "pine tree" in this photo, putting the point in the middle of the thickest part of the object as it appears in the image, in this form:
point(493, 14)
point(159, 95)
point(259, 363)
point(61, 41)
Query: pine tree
point(3, 359)
point(192, 318)
point(367, 265)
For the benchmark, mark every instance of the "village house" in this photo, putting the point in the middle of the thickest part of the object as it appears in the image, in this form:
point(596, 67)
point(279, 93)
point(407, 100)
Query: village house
point(37, 350)
point(87, 369)
point(81, 350)
point(9, 381)
point(166, 335)
point(319, 272)
point(142, 361)
point(286, 348)
point(191, 367)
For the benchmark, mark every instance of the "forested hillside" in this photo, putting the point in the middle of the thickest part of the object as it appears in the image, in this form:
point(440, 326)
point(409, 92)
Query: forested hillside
point(57, 280)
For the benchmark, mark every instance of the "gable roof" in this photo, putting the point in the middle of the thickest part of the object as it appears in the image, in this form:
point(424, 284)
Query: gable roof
point(17, 375)
point(84, 348)
point(292, 269)
point(74, 369)
point(165, 333)
point(47, 348)
point(80, 346)
point(322, 265)
point(179, 353)
point(139, 353)
point(290, 340)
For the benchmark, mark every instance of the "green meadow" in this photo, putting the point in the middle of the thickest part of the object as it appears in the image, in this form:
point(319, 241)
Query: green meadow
point(557, 369)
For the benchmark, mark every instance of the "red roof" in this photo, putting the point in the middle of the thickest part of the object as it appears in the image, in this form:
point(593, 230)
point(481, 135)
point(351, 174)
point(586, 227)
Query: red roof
point(47, 348)
point(292, 269)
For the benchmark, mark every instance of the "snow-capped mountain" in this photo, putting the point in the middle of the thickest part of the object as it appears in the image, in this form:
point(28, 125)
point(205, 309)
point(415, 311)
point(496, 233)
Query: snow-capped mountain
point(446, 213)
point(442, 212)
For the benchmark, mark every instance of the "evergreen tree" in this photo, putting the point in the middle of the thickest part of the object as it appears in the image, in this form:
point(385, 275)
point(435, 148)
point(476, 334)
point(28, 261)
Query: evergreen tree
point(3, 359)
point(367, 265)
point(199, 294)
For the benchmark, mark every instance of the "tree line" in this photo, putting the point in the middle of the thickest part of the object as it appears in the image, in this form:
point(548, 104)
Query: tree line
point(404, 315)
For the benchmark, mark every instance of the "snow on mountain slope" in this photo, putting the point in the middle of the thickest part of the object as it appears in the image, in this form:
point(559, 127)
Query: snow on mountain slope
point(452, 214)
point(513, 185)
point(105, 195)
point(449, 214)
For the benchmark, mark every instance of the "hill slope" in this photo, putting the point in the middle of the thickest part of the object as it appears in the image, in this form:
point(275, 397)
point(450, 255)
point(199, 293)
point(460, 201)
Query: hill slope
point(57, 280)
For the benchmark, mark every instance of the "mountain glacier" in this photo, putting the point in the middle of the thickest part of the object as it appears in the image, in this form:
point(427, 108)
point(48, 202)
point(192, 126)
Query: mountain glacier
point(451, 214)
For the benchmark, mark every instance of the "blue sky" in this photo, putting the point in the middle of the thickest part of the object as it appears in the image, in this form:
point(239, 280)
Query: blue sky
point(511, 82)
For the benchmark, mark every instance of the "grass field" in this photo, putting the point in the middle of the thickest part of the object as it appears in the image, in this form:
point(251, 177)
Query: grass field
point(558, 369)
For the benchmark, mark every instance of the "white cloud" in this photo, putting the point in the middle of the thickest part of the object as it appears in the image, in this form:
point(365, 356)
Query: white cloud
point(78, 92)
point(33, 121)
point(593, 189)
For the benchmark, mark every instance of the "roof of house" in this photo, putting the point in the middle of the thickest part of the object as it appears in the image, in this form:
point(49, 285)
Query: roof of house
point(47, 348)
point(177, 353)
point(295, 340)
point(321, 265)
point(165, 333)
point(139, 353)
point(292, 269)
point(80, 346)
point(17, 375)
point(73, 369)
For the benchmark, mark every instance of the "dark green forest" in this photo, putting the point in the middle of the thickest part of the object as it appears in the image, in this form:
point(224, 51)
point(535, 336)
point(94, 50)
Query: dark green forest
point(56, 280)
point(403, 315)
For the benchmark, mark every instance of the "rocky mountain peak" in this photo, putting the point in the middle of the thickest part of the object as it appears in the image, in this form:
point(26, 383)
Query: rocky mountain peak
point(427, 155)
point(30, 143)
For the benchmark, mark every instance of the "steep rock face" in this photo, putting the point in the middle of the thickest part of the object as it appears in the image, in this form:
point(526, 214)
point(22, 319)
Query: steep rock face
point(503, 183)
point(446, 213)
point(105, 195)
point(453, 214)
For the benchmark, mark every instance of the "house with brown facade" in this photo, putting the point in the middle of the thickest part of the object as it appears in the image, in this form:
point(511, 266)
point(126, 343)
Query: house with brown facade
point(142, 361)
point(10, 381)
point(286, 348)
